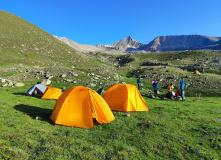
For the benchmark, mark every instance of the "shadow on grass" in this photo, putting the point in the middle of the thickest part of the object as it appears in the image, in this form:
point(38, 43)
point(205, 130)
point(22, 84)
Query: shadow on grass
point(24, 94)
point(42, 113)
point(160, 97)
point(33, 111)
point(21, 94)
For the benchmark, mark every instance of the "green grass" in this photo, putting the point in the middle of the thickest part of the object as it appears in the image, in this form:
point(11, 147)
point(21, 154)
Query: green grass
point(170, 130)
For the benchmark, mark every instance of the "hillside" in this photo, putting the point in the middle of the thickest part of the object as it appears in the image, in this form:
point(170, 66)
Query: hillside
point(80, 47)
point(29, 53)
point(169, 67)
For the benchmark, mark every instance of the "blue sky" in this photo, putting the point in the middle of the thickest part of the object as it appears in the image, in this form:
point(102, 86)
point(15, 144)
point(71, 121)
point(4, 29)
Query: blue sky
point(107, 21)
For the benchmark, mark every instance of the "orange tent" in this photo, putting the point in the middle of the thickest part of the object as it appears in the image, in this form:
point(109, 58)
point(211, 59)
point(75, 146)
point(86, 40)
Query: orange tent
point(196, 72)
point(124, 97)
point(52, 93)
point(78, 105)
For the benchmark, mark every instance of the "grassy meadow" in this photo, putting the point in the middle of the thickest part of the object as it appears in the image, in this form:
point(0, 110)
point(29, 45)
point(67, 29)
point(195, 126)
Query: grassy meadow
point(170, 130)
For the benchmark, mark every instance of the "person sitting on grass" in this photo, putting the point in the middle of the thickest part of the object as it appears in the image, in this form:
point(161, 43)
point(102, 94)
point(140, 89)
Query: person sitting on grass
point(178, 94)
point(170, 90)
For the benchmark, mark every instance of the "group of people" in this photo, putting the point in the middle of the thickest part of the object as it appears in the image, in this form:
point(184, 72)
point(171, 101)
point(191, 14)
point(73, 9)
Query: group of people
point(179, 95)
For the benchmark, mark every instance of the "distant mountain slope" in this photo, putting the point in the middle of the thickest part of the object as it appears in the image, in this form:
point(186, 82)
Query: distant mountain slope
point(126, 44)
point(178, 43)
point(80, 47)
point(23, 43)
point(160, 44)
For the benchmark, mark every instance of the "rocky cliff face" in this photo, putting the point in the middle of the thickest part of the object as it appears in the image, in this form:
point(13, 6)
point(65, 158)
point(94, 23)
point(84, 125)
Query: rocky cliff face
point(179, 43)
point(126, 44)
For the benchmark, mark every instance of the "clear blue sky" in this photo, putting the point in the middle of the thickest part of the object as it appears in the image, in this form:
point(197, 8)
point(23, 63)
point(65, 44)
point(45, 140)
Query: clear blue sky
point(108, 21)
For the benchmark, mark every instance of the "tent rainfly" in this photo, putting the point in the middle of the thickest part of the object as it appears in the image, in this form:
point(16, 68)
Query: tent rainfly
point(52, 93)
point(78, 106)
point(124, 97)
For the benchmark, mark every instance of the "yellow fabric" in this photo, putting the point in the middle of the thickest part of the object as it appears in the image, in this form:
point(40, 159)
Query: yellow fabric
point(52, 93)
point(124, 97)
point(196, 72)
point(169, 88)
point(78, 105)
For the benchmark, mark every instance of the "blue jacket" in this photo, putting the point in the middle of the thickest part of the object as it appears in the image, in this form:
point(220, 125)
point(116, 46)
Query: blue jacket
point(181, 84)
point(138, 80)
point(155, 85)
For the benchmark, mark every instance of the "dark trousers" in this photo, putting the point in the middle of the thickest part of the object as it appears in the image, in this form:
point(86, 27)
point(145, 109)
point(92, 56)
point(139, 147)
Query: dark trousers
point(155, 92)
point(139, 86)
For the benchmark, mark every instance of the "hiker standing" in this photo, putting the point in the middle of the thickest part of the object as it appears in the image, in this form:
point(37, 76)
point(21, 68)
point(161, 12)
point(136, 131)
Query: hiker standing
point(155, 87)
point(139, 83)
point(182, 89)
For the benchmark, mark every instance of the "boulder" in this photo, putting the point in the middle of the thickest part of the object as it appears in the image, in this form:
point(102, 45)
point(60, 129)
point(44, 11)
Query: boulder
point(63, 75)
point(46, 82)
point(74, 74)
point(5, 85)
point(2, 80)
point(20, 84)
point(10, 83)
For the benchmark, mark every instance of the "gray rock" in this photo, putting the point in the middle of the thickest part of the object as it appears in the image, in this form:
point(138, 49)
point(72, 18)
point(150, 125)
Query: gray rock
point(20, 84)
point(49, 77)
point(2, 80)
point(63, 75)
point(10, 83)
point(69, 80)
point(92, 85)
point(41, 73)
point(5, 85)
point(46, 82)
point(76, 75)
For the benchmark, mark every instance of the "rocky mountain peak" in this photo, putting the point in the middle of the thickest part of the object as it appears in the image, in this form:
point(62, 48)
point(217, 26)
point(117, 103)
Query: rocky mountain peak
point(126, 43)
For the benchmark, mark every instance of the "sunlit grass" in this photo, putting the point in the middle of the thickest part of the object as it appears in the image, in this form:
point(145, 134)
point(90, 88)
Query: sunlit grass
point(171, 129)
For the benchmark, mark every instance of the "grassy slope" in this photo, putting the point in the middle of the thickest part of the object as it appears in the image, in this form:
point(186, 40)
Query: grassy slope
point(171, 129)
point(24, 45)
point(179, 64)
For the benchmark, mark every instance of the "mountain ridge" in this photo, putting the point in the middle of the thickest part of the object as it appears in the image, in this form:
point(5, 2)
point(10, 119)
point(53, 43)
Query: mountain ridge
point(159, 44)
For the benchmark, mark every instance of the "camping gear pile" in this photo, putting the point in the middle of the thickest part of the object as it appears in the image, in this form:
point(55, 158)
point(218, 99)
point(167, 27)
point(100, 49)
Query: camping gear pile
point(80, 106)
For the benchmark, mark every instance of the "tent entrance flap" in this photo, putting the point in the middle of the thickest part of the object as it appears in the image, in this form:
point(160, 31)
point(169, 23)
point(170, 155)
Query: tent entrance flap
point(94, 115)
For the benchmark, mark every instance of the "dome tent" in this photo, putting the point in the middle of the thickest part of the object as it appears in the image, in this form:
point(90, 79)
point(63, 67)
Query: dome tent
point(124, 97)
point(196, 72)
point(78, 105)
point(52, 93)
point(37, 89)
